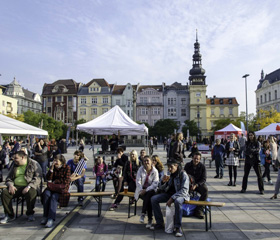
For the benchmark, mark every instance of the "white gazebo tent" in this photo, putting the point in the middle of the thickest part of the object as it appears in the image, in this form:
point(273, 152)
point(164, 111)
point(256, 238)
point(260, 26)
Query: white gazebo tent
point(10, 126)
point(272, 129)
point(115, 121)
point(226, 131)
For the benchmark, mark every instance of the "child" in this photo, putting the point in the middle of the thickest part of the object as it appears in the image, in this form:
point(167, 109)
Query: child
point(114, 173)
point(99, 171)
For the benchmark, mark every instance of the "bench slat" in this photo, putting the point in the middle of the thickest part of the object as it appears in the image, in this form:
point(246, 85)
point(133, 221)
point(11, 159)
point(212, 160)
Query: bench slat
point(205, 203)
point(92, 194)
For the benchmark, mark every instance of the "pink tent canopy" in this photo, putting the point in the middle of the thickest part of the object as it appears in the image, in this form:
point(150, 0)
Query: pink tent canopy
point(226, 131)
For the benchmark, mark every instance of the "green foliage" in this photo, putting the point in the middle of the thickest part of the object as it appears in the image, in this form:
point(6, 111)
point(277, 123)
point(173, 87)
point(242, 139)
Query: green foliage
point(164, 127)
point(190, 125)
point(265, 118)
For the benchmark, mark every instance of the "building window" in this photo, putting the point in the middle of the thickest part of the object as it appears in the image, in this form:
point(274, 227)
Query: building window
point(221, 101)
point(171, 101)
point(118, 102)
point(269, 96)
point(83, 111)
point(58, 99)
point(183, 112)
point(49, 99)
point(261, 100)
point(143, 99)
point(49, 109)
point(94, 100)
point(171, 112)
point(128, 102)
point(198, 94)
point(155, 99)
point(105, 100)
point(94, 111)
point(69, 98)
point(230, 111)
point(144, 111)
point(83, 100)
point(155, 120)
point(275, 93)
point(258, 101)
point(212, 111)
point(128, 113)
point(265, 97)
point(104, 110)
point(183, 101)
point(155, 111)
point(221, 111)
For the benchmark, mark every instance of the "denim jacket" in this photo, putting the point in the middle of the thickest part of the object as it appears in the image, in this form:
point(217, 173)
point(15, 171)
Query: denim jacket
point(181, 183)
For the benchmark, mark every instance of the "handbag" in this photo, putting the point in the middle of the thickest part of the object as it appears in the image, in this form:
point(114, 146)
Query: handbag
point(56, 187)
point(169, 219)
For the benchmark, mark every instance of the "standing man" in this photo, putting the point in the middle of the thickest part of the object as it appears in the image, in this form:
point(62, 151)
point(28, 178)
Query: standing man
point(24, 179)
point(242, 142)
point(218, 155)
point(176, 191)
point(151, 146)
point(196, 169)
point(105, 144)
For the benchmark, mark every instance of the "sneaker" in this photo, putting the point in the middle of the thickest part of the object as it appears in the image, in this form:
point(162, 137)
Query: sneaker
point(142, 218)
point(150, 224)
point(31, 218)
point(178, 232)
point(217, 176)
point(7, 219)
point(44, 221)
point(157, 227)
point(270, 182)
point(264, 180)
point(49, 223)
point(113, 207)
point(80, 203)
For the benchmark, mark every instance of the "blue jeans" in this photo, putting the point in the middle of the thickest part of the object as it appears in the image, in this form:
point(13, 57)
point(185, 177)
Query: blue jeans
point(163, 198)
point(97, 183)
point(44, 168)
point(80, 186)
point(219, 162)
point(50, 200)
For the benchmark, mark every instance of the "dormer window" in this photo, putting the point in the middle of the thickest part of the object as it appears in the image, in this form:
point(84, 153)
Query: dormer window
point(212, 101)
point(221, 101)
point(230, 101)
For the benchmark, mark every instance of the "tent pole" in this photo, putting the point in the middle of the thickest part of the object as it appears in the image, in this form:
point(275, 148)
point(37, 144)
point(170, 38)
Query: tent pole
point(76, 139)
point(93, 145)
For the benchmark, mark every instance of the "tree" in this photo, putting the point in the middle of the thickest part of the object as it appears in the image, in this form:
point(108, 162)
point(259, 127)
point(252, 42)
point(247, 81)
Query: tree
point(164, 127)
point(19, 117)
point(190, 125)
point(265, 118)
point(221, 123)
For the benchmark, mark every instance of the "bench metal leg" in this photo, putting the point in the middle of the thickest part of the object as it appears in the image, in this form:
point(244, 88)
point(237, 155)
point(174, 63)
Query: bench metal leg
point(208, 211)
point(99, 204)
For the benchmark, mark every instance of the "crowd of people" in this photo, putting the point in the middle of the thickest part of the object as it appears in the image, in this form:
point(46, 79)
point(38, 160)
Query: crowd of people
point(142, 174)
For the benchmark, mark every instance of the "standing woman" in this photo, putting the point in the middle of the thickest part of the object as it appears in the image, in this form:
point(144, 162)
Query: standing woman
point(146, 185)
point(82, 145)
point(158, 165)
point(41, 156)
point(252, 149)
point(232, 153)
point(273, 148)
point(177, 151)
point(265, 155)
point(59, 173)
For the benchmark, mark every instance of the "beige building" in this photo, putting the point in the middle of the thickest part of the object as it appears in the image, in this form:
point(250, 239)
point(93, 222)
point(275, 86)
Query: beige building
point(8, 105)
point(94, 99)
point(219, 108)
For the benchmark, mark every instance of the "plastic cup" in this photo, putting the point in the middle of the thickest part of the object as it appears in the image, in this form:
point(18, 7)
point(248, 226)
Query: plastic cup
point(125, 189)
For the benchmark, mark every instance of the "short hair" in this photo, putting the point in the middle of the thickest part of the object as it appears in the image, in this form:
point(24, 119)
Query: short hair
point(61, 158)
point(197, 154)
point(119, 150)
point(79, 153)
point(21, 153)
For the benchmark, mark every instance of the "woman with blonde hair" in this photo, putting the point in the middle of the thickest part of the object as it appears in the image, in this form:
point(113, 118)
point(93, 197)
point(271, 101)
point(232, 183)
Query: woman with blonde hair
point(158, 165)
point(273, 148)
point(129, 176)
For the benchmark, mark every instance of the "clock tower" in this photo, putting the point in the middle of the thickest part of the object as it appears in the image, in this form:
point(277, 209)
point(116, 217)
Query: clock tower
point(197, 90)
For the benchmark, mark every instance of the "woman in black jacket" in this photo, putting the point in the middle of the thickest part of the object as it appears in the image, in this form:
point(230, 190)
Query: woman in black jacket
point(252, 149)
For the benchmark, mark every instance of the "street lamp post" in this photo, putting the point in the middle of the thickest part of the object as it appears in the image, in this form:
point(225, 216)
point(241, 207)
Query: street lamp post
point(245, 76)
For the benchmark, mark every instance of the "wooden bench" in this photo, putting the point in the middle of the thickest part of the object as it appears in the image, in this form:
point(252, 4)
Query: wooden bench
point(96, 195)
point(207, 209)
point(130, 195)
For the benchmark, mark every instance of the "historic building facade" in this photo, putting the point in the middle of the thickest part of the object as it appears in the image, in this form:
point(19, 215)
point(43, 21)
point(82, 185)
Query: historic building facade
point(26, 100)
point(94, 99)
point(60, 100)
point(268, 91)
point(149, 104)
point(8, 105)
point(176, 102)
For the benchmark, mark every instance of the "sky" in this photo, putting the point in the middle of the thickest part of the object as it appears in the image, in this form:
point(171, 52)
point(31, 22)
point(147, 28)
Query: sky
point(140, 41)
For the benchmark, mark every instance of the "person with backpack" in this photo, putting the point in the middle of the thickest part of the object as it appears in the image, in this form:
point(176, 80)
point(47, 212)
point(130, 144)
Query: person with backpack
point(100, 171)
point(197, 170)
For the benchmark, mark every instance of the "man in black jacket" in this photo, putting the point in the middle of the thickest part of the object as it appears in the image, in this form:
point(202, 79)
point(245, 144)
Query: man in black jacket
point(196, 169)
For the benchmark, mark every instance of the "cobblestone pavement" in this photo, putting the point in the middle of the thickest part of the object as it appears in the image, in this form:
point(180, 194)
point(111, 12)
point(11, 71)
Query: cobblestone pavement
point(245, 216)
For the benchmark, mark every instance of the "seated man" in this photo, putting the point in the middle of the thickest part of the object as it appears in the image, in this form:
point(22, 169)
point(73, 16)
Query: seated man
point(196, 169)
point(174, 190)
point(24, 178)
point(78, 172)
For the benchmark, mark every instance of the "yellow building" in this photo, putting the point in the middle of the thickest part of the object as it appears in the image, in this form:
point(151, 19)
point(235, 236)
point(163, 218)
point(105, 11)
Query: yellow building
point(7, 104)
point(219, 108)
point(94, 99)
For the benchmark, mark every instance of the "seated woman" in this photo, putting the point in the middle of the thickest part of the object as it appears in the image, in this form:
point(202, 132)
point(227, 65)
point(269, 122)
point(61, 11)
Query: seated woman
point(158, 165)
point(78, 172)
point(59, 173)
point(146, 185)
point(99, 171)
point(129, 177)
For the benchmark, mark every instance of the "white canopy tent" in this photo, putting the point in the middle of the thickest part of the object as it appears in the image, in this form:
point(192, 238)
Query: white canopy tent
point(272, 129)
point(226, 131)
point(10, 126)
point(115, 121)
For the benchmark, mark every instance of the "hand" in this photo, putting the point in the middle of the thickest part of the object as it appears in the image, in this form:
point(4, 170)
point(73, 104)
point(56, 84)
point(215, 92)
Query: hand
point(12, 189)
point(169, 202)
point(165, 178)
point(194, 187)
point(25, 190)
point(103, 176)
point(142, 192)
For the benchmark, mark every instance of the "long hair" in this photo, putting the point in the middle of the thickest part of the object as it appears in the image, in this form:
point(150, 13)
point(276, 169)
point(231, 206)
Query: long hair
point(254, 139)
point(135, 156)
point(159, 165)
